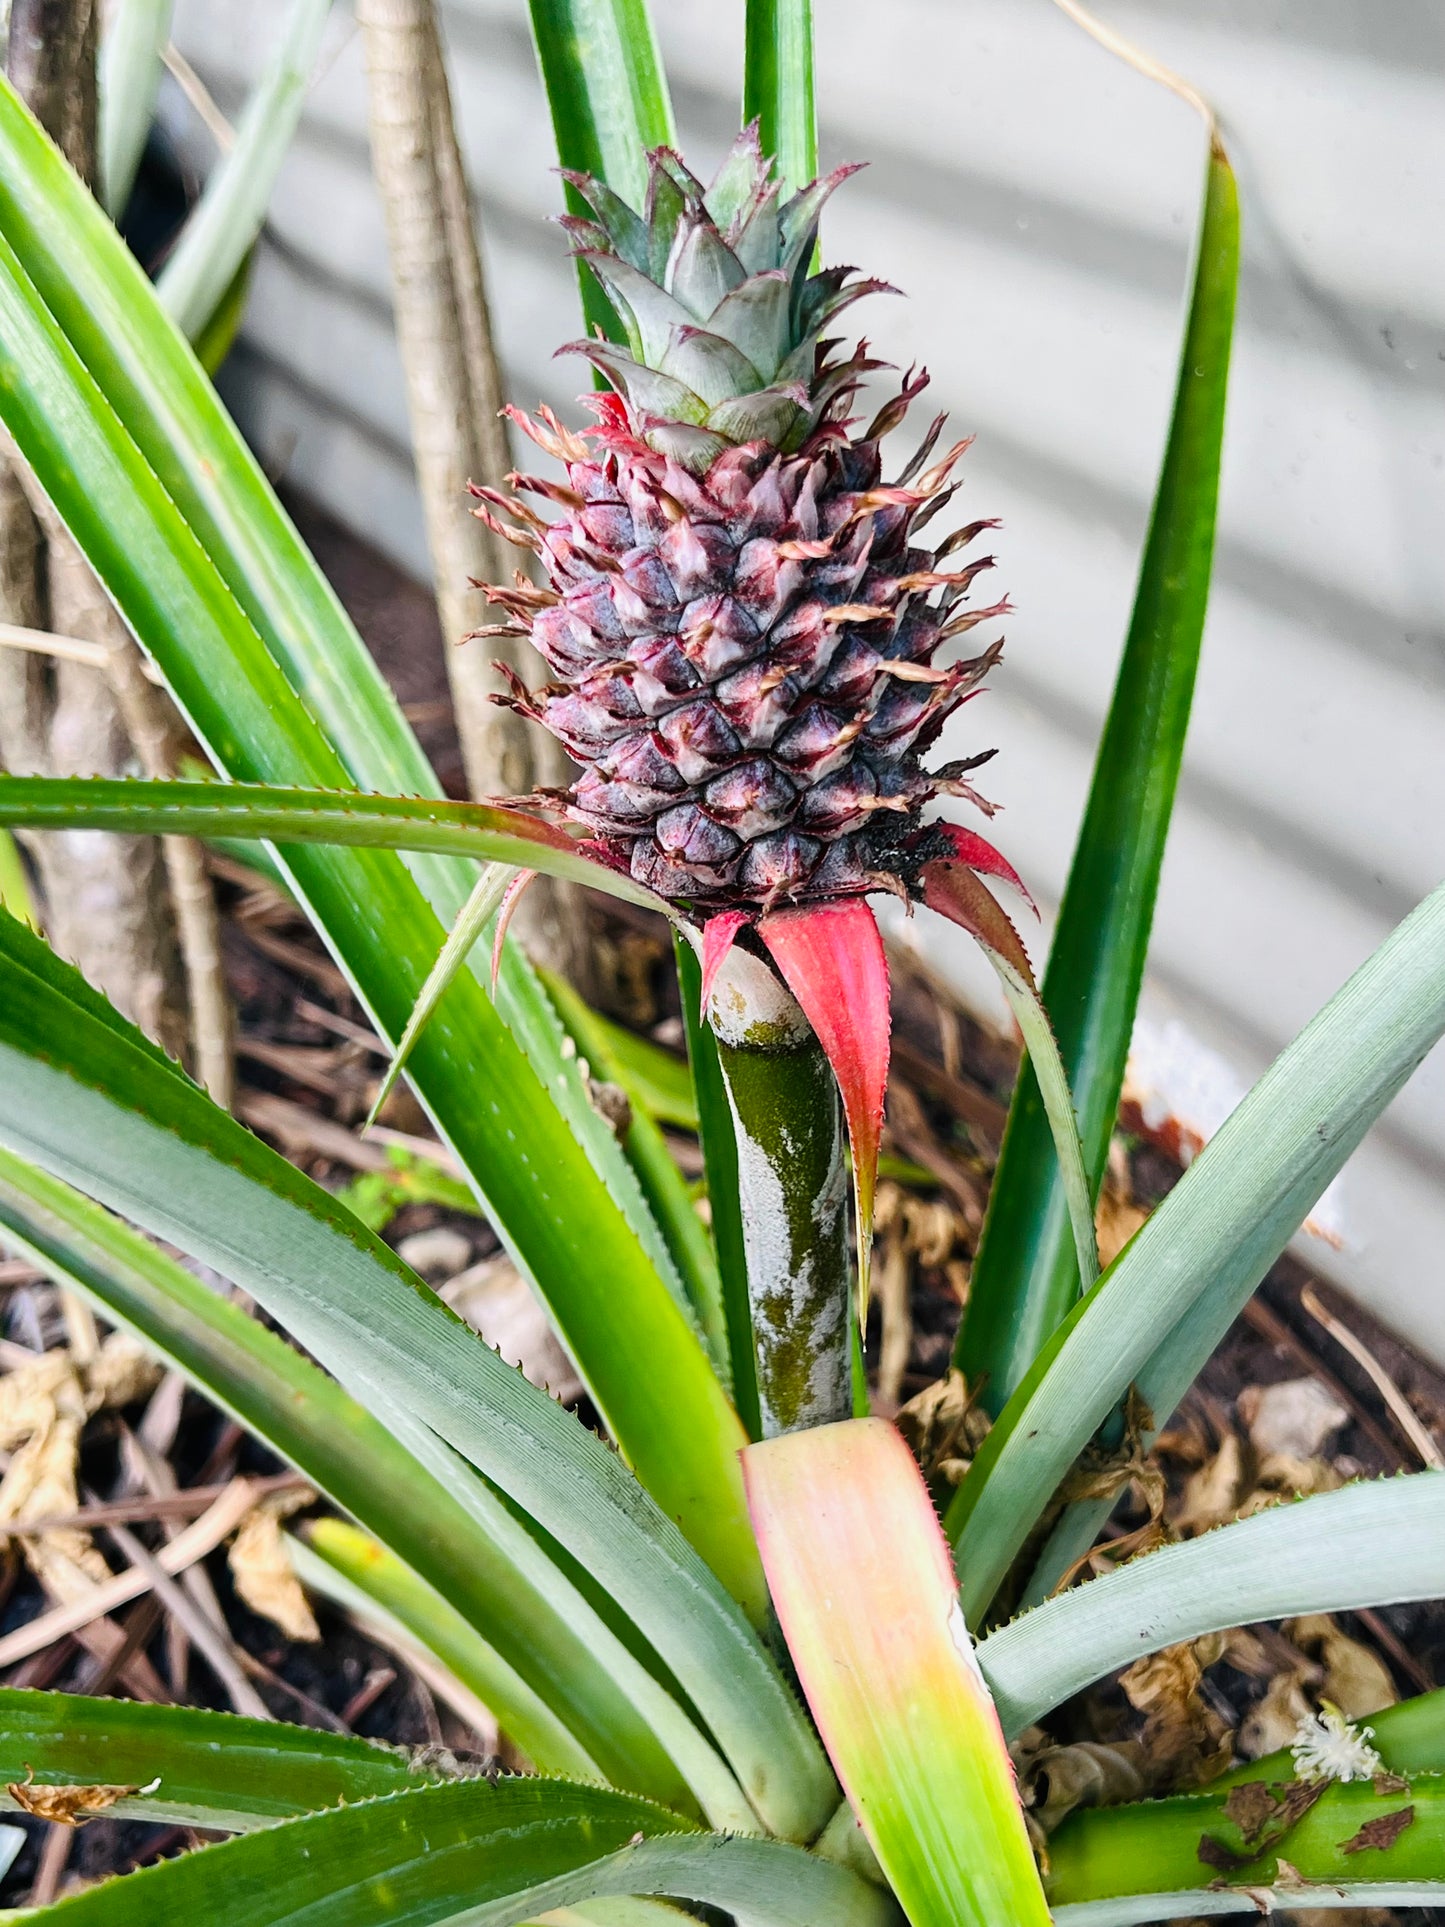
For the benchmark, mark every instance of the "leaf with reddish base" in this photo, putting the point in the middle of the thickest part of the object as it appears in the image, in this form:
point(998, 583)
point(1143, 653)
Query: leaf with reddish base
point(719, 934)
point(956, 893)
point(979, 854)
point(865, 1591)
point(831, 958)
point(504, 916)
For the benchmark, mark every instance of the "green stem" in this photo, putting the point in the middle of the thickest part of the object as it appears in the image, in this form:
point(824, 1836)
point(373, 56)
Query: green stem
point(720, 1167)
point(793, 1193)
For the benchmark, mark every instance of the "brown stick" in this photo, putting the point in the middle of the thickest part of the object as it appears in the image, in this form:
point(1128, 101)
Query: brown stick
point(104, 895)
point(454, 393)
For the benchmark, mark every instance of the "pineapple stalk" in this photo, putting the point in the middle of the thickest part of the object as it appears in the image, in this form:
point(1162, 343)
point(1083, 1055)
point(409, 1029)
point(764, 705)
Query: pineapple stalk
point(793, 1188)
point(742, 615)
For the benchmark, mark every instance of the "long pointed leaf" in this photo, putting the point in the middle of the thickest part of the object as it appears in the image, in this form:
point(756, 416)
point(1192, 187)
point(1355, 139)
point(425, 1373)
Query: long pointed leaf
point(1025, 1277)
point(134, 37)
point(955, 891)
point(225, 222)
point(778, 86)
point(349, 820)
point(542, 1634)
point(487, 1854)
point(472, 919)
point(1380, 1544)
point(222, 619)
point(214, 1769)
point(610, 106)
point(1209, 1243)
point(90, 1101)
point(662, 1183)
point(861, 1578)
point(557, 1214)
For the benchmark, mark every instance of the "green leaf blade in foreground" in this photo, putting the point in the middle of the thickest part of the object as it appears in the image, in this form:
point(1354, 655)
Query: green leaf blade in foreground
point(778, 86)
point(88, 1100)
point(662, 1183)
point(559, 1215)
point(1115, 1865)
point(546, 1679)
point(1378, 1544)
point(487, 1854)
point(1182, 1280)
point(345, 730)
point(347, 819)
point(865, 1593)
point(1025, 1276)
point(215, 1769)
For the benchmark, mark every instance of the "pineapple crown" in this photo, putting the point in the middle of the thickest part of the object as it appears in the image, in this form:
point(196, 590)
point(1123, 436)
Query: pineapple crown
point(715, 291)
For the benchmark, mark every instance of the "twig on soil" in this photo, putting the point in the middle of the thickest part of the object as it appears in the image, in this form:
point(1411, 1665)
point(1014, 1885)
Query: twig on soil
point(321, 1715)
point(1401, 1410)
point(218, 1652)
point(186, 1504)
point(54, 1856)
point(1263, 1319)
point(199, 1538)
point(343, 1027)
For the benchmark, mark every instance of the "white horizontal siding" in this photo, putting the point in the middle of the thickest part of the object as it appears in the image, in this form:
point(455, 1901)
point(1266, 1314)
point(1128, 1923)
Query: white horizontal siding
point(1036, 200)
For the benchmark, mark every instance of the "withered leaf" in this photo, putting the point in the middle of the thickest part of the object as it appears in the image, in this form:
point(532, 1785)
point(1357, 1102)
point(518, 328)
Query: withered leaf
point(1377, 1835)
point(1296, 1797)
point(69, 1806)
point(1388, 1783)
point(1251, 1807)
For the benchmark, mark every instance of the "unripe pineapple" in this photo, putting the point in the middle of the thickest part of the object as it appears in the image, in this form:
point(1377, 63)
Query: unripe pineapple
point(738, 615)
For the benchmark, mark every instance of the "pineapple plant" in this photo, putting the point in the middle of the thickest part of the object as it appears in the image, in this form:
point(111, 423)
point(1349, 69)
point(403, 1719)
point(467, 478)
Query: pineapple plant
point(738, 611)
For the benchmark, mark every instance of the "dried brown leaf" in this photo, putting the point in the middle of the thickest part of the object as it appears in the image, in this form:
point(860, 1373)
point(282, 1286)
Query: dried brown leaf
point(1377, 1836)
point(1185, 1741)
point(1213, 1494)
point(1115, 1222)
point(1054, 1780)
point(120, 1373)
point(1274, 1721)
point(1295, 1419)
point(262, 1570)
point(1355, 1678)
point(68, 1806)
point(943, 1426)
point(45, 1405)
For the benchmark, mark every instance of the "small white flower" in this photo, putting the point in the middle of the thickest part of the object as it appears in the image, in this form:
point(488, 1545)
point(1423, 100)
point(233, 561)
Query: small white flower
point(1327, 1747)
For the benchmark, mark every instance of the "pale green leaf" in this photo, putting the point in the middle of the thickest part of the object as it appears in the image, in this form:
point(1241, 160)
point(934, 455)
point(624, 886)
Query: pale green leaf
point(1379, 1544)
point(225, 222)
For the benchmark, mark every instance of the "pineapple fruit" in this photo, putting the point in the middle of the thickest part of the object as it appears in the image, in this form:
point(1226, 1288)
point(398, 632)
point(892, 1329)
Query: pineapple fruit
point(738, 615)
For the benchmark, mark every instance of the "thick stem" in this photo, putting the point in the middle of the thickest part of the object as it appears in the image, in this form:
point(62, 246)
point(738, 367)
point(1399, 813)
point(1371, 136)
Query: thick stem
point(105, 896)
point(454, 393)
point(793, 1188)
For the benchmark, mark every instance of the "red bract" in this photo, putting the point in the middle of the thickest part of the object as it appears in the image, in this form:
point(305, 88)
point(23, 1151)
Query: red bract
point(830, 955)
